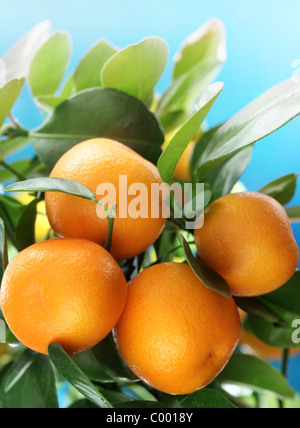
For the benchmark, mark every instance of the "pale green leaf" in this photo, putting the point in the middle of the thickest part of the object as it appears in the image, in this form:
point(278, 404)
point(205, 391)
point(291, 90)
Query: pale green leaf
point(49, 65)
point(137, 68)
point(9, 94)
point(88, 72)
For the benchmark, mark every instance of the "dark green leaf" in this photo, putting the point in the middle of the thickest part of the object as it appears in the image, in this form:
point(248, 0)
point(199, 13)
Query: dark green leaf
point(263, 116)
point(25, 233)
point(282, 189)
point(114, 397)
point(209, 278)
point(18, 368)
point(175, 149)
point(9, 94)
point(35, 389)
point(257, 308)
point(71, 372)
point(48, 184)
point(258, 375)
point(137, 404)
point(83, 404)
point(206, 399)
point(103, 364)
point(88, 72)
point(225, 176)
point(137, 68)
point(276, 336)
point(286, 303)
point(10, 212)
point(49, 65)
point(107, 113)
point(288, 296)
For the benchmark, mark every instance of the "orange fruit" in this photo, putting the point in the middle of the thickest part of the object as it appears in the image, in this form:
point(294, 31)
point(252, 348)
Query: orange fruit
point(175, 333)
point(66, 291)
point(93, 163)
point(247, 239)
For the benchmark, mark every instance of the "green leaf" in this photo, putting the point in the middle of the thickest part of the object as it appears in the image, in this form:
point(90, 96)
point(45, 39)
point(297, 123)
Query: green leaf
point(257, 308)
point(13, 145)
point(21, 167)
point(286, 303)
point(18, 58)
point(103, 364)
point(50, 102)
point(209, 278)
point(197, 63)
point(108, 114)
point(69, 87)
point(35, 389)
point(282, 189)
point(258, 375)
point(88, 72)
point(10, 212)
point(188, 208)
point(288, 296)
point(3, 250)
point(25, 233)
point(137, 68)
point(115, 397)
point(209, 42)
point(139, 404)
point(175, 149)
point(260, 118)
point(18, 368)
point(278, 337)
point(48, 184)
point(225, 176)
point(206, 399)
point(9, 94)
point(176, 102)
point(293, 213)
point(69, 370)
point(49, 65)
point(83, 404)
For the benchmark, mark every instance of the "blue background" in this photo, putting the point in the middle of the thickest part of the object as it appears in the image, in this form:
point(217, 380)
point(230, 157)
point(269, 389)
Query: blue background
point(263, 42)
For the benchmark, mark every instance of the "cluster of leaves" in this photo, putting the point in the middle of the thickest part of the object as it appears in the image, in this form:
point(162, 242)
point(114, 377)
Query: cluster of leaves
point(111, 94)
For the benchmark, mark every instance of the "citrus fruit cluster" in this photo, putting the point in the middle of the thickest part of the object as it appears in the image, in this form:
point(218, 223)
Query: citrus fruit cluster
point(171, 330)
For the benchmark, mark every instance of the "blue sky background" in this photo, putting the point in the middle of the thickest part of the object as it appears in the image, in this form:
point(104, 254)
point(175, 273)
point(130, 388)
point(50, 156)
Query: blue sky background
point(263, 42)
